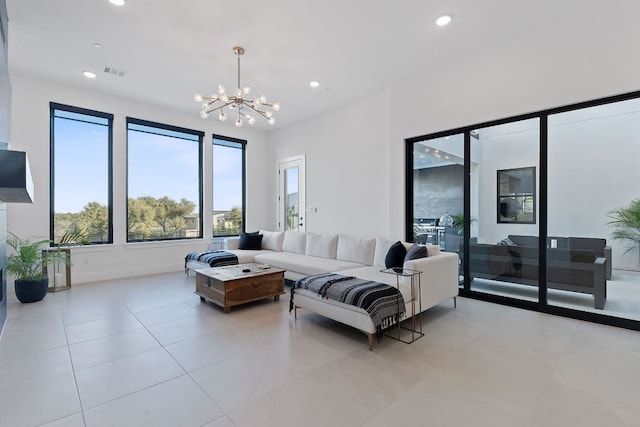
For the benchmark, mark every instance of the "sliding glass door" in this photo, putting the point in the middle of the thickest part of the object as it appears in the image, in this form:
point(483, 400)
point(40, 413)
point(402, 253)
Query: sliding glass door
point(503, 250)
point(544, 208)
point(593, 174)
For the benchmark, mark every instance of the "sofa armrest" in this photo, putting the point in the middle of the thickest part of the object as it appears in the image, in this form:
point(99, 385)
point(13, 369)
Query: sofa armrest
point(231, 243)
point(609, 257)
point(439, 278)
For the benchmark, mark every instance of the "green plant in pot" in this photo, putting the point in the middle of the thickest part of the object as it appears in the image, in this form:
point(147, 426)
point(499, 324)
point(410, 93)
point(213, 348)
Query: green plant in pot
point(626, 224)
point(27, 264)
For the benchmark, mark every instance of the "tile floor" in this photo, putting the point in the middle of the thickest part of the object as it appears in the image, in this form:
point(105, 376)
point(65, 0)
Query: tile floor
point(147, 352)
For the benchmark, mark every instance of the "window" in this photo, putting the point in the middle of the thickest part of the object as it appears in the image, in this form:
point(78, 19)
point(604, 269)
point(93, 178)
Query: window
point(80, 170)
point(228, 186)
point(164, 182)
point(517, 195)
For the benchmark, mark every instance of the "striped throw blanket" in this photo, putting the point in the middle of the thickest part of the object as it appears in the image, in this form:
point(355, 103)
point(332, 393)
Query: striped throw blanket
point(378, 299)
point(213, 258)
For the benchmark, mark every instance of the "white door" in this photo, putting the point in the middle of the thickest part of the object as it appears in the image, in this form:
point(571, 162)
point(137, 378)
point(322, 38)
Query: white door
point(291, 197)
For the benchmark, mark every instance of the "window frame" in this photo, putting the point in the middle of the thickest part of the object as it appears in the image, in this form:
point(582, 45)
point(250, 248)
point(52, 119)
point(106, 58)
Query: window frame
point(53, 107)
point(170, 128)
point(243, 147)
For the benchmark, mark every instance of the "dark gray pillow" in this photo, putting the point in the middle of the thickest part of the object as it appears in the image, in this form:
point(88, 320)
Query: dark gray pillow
point(250, 241)
point(416, 252)
point(395, 255)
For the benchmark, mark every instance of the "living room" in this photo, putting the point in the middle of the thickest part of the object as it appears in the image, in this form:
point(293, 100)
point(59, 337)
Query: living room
point(355, 179)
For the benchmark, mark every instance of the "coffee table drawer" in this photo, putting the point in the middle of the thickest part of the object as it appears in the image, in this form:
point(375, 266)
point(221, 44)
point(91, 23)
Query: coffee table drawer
point(253, 288)
point(230, 286)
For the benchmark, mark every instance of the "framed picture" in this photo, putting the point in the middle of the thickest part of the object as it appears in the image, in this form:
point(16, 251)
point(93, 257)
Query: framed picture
point(517, 195)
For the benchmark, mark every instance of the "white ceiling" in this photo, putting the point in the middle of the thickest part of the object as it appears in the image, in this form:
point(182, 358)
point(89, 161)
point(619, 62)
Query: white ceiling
point(173, 49)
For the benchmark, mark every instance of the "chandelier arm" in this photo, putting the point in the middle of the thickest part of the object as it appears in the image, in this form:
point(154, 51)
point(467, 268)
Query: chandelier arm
point(219, 107)
point(262, 113)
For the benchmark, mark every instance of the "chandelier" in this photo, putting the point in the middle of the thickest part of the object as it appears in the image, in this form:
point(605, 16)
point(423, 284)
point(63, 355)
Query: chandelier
point(247, 108)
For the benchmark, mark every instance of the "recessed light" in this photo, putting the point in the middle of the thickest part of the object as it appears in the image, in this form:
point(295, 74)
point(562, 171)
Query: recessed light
point(443, 20)
point(89, 74)
point(314, 83)
point(97, 45)
point(117, 2)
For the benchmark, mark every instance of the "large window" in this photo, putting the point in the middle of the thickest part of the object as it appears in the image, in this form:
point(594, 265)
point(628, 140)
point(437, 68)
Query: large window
point(80, 174)
point(164, 182)
point(228, 186)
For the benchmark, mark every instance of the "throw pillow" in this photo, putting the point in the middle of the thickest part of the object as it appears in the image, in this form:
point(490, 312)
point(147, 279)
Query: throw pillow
point(395, 255)
point(415, 252)
point(250, 241)
point(506, 242)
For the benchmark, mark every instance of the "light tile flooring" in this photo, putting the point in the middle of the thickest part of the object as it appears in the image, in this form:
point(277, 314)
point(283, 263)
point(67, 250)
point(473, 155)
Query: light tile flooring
point(147, 352)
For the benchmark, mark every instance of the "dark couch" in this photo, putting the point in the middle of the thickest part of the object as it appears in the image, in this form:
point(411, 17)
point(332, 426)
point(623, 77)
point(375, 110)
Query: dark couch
point(576, 270)
point(598, 246)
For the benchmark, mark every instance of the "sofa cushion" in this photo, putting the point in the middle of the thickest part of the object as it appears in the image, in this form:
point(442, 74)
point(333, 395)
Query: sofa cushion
point(322, 245)
point(303, 264)
point(395, 255)
point(382, 247)
point(272, 240)
point(246, 256)
point(415, 252)
point(356, 249)
point(433, 250)
point(294, 242)
point(250, 241)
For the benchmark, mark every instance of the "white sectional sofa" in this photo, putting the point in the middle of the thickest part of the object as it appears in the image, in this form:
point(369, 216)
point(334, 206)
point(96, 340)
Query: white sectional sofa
point(305, 254)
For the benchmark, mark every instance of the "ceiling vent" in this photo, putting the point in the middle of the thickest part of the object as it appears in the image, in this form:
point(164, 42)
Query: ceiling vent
point(114, 71)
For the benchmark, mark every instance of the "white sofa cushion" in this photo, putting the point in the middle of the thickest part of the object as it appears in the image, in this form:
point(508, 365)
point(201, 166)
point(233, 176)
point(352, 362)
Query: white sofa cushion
point(303, 264)
point(382, 247)
point(356, 249)
point(272, 240)
point(433, 250)
point(294, 242)
point(322, 245)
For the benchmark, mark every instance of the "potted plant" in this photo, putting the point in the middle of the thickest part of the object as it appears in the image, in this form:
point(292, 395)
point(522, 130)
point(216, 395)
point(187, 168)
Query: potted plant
point(27, 264)
point(626, 224)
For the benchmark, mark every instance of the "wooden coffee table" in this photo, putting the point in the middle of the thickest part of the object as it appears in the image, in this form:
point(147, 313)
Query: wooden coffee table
point(230, 285)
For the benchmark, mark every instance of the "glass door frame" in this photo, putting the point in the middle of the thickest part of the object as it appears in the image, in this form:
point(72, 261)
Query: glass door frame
point(542, 305)
point(283, 165)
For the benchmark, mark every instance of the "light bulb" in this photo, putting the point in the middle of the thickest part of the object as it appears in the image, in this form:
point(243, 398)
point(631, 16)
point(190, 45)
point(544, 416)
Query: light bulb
point(271, 121)
point(197, 97)
point(222, 117)
point(221, 89)
point(269, 114)
point(224, 97)
point(263, 99)
point(205, 105)
point(239, 93)
point(233, 106)
point(257, 102)
point(238, 123)
point(246, 90)
point(276, 106)
point(204, 114)
point(443, 20)
point(252, 120)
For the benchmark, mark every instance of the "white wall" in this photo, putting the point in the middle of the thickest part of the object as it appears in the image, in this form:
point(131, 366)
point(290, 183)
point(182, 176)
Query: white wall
point(347, 166)
point(30, 133)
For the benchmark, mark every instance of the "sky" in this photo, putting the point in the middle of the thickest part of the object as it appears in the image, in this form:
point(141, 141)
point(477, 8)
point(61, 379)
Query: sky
point(158, 166)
